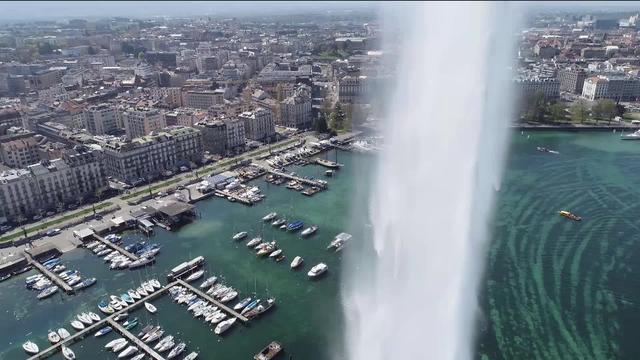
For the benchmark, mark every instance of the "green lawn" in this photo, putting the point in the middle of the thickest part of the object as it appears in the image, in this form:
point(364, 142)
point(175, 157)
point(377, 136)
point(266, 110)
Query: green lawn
point(44, 226)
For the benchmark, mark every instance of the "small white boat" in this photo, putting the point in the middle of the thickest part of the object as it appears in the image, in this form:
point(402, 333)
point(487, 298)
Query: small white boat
point(94, 316)
point(269, 216)
point(275, 253)
point(191, 356)
point(239, 236)
point(134, 294)
point(85, 318)
point(310, 230)
point(147, 286)
point(176, 350)
point(229, 296)
point(53, 337)
point(140, 290)
point(317, 270)
point(296, 262)
point(224, 326)
point(150, 308)
point(254, 241)
point(138, 357)
point(77, 325)
point(119, 346)
point(155, 283)
point(210, 281)
point(30, 347)
point(63, 333)
point(195, 276)
point(111, 344)
point(128, 352)
point(68, 353)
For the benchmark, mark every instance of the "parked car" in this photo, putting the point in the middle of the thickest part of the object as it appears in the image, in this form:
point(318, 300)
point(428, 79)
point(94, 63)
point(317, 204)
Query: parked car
point(53, 232)
point(37, 217)
point(5, 228)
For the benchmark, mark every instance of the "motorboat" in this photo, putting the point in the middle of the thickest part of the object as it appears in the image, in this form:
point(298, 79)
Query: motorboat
point(155, 283)
point(207, 283)
point(283, 227)
point(149, 287)
point(570, 215)
point(152, 336)
point(75, 280)
point(85, 318)
point(119, 346)
point(270, 216)
point(130, 324)
point(139, 356)
point(224, 326)
point(140, 290)
point(121, 316)
point(545, 150)
point(127, 298)
point(218, 317)
point(166, 346)
point(164, 340)
point(229, 296)
point(280, 258)
point(5, 277)
point(63, 333)
point(128, 352)
point(310, 230)
point(22, 270)
point(275, 253)
point(633, 136)
point(195, 276)
point(279, 222)
point(67, 353)
point(296, 262)
point(85, 283)
point(77, 325)
point(134, 294)
point(191, 356)
point(328, 173)
point(145, 330)
point(104, 252)
point(141, 262)
point(177, 350)
point(105, 330)
point(111, 344)
point(150, 308)
point(47, 292)
point(261, 308)
point(295, 225)
point(251, 305)
point(30, 347)
point(241, 304)
point(94, 316)
point(317, 270)
point(339, 241)
point(266, 250)
point(58, 268)
point(53, 337)
point(239, 236)
point(255, 241)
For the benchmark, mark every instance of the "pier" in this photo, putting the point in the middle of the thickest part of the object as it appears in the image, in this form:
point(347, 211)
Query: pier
point(51, 275)
point(115, 247)
point(316, 183)
point(235, 197)
point(137, 342)
point(102, 323)
point(217, 303)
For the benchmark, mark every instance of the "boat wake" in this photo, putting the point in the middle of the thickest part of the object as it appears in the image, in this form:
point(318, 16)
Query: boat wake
point(434, 189)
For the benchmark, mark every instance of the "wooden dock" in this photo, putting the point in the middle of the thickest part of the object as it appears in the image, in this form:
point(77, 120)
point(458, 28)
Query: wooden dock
point(137, 342)
point(217, 303)
point(316, 183)
point(100, 324)
point(115, 247)
point(50, 274)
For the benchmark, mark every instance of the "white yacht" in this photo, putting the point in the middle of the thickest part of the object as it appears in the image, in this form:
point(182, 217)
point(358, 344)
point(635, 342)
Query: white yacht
point(77, 325)
point(68, 353)
point(128, 352)
point(296, 262)
point(270, 216)
point(255, 241)
point(239, 236)
point(195, 276)
point(275, 253)
point(317, 270)
point(633, 136)
point(63, 333)
point(207, 283)
point(53, 337)
point(224, 326)
point(30, 347)
point(150, 308)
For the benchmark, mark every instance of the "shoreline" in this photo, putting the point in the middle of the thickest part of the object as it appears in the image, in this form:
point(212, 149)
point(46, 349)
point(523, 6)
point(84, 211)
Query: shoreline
point(573, 128)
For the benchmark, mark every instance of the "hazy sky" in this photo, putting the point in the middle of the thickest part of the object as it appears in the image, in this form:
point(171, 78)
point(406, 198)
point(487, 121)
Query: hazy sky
point(16, 10)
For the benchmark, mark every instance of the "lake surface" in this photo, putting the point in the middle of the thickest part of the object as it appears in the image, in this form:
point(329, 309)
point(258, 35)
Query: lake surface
point(553, 289)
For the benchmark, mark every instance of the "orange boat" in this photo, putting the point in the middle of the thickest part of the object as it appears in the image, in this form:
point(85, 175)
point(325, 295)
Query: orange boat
point(570, 215)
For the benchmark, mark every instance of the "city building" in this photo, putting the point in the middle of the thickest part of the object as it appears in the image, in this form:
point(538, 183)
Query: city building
point(142, 121)
point(235, 134)
point(526, 87)
point(172, 96)
point(50, 184)
point(214, 136)
point(572, 80)
point(614, 87)
point(203, 99)
point(296, 111)
point(100, 119)
point(19, 152)
point(353, 89)
point(259, 125)
point(151, 156)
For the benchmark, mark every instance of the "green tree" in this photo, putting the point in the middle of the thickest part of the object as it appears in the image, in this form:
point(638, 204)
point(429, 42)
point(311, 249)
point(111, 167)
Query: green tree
point(609, 109)
point(597, 110)
point(141, 56)
point(558, 112)
point(337, 117)
point(579, 111)
point(321, 123)
point(45, 48)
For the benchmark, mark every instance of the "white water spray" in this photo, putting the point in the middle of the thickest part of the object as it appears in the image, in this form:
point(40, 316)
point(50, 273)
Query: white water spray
point(435, 186)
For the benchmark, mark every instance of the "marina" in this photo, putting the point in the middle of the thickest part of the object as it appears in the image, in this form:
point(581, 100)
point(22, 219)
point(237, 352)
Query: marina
point(49, 274)
point(220, 305)
point(124, 332)
point(114, 247)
